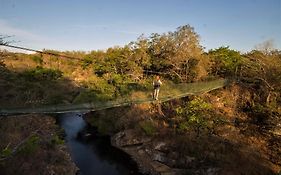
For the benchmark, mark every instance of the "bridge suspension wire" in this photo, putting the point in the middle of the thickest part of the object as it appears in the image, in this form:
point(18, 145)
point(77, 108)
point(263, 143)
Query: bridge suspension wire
point(65, 56)
point(38, 51)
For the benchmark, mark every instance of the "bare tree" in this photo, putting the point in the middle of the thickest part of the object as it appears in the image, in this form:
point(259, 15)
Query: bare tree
point(3, 39)
point(266, 47)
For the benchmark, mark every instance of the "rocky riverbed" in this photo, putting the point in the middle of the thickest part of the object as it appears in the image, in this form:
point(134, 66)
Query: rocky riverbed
point(153, 157)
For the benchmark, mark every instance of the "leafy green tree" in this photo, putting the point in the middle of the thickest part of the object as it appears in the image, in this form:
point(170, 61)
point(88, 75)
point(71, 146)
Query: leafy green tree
point(140, 57)
point(140, 52)
point(195, 115)
point(225, 62)
point(177, 53)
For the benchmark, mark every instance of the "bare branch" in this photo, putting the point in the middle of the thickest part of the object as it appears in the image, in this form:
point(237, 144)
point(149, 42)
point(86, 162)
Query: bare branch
point(3, 39)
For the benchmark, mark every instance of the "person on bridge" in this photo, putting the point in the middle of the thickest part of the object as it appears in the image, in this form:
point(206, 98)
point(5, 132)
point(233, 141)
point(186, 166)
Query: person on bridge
point(156, 85)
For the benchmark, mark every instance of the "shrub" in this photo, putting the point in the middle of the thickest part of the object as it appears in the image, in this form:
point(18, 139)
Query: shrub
point(86, 62)
point(56, 140)
point(97, 90)
point(41, 74)
point(30, 146)
point(6, 152)
point(194, 115)
point(148, 127)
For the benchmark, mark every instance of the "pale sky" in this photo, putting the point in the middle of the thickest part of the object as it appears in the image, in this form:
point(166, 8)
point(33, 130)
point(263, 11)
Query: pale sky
point(99, 24)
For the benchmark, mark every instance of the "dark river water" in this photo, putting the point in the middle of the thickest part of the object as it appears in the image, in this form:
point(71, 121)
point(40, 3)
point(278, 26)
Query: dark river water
point(93, 154)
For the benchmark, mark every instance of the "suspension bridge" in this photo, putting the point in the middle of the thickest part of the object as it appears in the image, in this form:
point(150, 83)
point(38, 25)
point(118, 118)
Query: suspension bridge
point(174, 92)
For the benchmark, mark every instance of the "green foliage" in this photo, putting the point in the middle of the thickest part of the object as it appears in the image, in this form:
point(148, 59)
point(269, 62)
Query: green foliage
point(92, 96)
point(6, 152)
point(56, 140)
point(87, 61)
point(140, 52)
point(194, 115)
point(100, 89)
point(120, 82)
point(37, 59)
point(176, 53)
point(30, 146)
point(225, 61)
point(198, 105)
point(101, 69)
point(117, 60)
point(42, 74)
point(96, 90)
point(148, 127)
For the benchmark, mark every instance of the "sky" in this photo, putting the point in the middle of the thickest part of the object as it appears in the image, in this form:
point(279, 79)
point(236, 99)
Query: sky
point(87, 25)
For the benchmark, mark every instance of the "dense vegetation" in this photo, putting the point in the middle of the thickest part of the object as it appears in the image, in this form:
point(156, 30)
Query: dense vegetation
point(252, 104)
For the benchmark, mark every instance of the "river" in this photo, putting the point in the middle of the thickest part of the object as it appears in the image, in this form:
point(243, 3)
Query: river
point(93, 154)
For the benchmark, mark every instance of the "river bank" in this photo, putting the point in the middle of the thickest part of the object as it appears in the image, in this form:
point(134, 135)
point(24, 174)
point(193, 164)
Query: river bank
point(32, 144)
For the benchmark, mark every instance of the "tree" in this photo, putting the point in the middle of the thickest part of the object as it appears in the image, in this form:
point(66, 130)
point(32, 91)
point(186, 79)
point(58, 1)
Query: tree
point(140, 52)
point(3, 38)
point(266, 46)
point(3, 53)
point(177, 53)
point(140, 57)
point(196, 115)
point(263, 69)
point(225, 62)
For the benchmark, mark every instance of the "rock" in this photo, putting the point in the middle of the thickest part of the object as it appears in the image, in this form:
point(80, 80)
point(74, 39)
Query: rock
point(119, 135)
point(212, 171)
point(128, 138)
point(153, 158)
point(173, 155)
point(160, 157)
point(159, 167)
point(88, 134)
point(189, 160)
point(169, 173)
point(159, 146)
point(141, 151)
